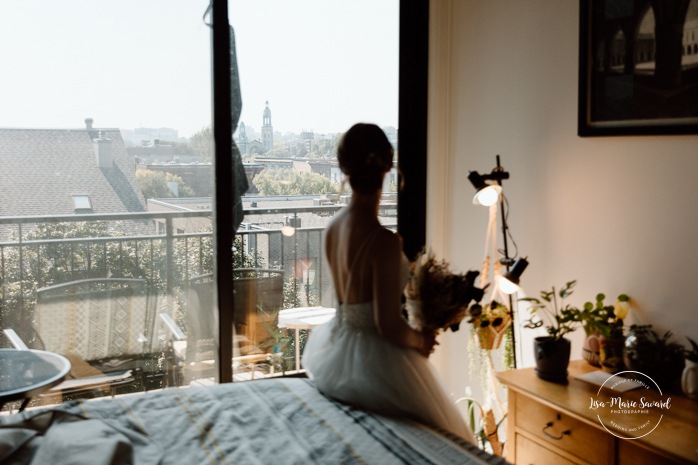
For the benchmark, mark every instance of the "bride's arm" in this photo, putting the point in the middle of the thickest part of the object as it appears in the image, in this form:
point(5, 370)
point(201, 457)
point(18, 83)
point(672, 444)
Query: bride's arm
point(387, 290)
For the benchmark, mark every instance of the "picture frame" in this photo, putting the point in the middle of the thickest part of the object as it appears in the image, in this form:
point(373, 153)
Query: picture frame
point(647, 85)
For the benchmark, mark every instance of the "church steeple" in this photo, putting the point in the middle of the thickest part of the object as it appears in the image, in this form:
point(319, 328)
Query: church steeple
point(267, 129)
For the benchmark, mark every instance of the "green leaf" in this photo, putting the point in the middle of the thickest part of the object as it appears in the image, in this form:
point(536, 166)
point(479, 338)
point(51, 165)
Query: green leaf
point(567, 290)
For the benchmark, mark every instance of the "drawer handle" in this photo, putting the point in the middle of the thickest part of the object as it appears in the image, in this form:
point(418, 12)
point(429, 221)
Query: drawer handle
point(558, 437)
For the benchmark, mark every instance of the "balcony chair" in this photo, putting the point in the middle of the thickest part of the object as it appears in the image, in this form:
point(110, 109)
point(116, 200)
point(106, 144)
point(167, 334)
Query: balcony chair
point(103, 326)
point(258, 297)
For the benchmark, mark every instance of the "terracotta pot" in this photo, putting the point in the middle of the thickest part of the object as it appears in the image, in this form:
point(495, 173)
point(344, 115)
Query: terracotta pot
point(590, 349)
point(611, 353)
point(490, 337)
point(552, 358)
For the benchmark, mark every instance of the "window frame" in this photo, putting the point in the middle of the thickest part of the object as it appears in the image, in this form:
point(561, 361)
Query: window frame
point(412, 150)
point(82, 202)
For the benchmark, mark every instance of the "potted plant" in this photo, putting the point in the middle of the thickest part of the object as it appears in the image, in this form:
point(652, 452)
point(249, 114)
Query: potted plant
point(490, 323)
point(603, 325)
point(552, 352)
point(689, 377)
point(657, 357)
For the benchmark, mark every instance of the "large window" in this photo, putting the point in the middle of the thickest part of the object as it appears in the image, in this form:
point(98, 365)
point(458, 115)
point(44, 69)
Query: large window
point(116, 244)
point(105, 127)
point(306, 75)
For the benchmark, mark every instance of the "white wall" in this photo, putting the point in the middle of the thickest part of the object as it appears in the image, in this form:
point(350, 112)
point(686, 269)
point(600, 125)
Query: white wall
point(619, 214)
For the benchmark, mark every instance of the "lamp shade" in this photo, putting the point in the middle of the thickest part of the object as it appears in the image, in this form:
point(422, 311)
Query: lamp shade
point(487, 194)
point(509, 283)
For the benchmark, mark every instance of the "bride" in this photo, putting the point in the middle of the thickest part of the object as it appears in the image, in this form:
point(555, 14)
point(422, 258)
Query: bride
point(368, 356)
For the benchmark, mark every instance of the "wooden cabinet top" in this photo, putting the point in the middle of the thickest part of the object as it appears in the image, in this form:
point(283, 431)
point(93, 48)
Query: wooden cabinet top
point(676, 433)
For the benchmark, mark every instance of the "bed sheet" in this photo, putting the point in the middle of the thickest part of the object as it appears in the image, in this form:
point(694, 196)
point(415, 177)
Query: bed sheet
point(272, 421)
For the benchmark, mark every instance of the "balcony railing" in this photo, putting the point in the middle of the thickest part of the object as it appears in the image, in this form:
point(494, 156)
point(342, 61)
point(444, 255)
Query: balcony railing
point(165, 248)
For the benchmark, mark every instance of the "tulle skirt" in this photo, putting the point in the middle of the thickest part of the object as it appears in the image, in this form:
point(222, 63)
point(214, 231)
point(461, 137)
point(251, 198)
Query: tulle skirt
point(354, 364)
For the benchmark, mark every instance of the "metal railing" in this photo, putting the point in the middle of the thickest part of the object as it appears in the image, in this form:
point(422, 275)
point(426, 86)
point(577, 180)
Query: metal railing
point(165, 248)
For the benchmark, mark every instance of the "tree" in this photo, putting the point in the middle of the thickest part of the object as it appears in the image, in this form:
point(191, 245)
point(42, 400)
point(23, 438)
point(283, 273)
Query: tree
point(154, 185)
point(201, 143)
point(325, 148)
point(284, 181)
point(301, 150)
point(181, 148)
point(280, 151)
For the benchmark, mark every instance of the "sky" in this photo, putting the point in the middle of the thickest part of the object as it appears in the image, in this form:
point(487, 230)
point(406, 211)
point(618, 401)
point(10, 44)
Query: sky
point(321, 64)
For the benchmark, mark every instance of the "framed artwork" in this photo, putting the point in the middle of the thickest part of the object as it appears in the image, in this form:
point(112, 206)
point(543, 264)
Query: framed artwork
point(638, 67)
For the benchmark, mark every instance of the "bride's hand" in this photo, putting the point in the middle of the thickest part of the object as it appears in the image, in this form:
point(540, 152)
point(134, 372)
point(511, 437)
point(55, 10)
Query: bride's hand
point(429, 343)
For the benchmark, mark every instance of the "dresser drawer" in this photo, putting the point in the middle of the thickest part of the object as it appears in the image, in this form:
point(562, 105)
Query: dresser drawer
point(531, 453)
point(631, 454)
point(559, 430)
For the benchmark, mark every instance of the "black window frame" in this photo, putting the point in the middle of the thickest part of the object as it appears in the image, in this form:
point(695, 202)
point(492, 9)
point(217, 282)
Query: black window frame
point(412, 150)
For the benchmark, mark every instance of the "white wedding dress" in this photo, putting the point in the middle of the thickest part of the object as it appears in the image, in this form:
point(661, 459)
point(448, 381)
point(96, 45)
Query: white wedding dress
point(349, 361)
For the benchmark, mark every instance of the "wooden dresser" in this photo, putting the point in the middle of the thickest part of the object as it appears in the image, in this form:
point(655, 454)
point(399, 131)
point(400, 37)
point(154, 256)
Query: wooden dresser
point(551, 423)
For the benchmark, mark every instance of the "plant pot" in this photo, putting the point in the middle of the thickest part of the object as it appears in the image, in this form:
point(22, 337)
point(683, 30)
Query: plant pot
point(662, 362)
point(490, 337)
point(552, 358)
point(611, 353)
point(689, 380)
point(590, 349)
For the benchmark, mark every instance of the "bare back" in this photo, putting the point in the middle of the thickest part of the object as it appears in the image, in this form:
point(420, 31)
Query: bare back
point(357, 240)
point(358, 247)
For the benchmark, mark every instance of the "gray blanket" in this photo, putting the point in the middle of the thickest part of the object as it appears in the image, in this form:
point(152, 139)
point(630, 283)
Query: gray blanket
point(60, 438)
point(281, 421)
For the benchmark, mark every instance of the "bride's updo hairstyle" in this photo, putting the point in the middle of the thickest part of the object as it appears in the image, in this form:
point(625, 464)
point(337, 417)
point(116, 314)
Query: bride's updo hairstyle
point(365, 155)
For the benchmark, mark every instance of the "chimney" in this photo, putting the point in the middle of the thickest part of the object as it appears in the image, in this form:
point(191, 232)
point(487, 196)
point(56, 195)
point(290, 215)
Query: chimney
point(103, 151)
point(90, 130)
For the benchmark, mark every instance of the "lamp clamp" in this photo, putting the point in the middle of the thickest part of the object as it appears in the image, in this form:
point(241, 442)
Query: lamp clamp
point(497, 174)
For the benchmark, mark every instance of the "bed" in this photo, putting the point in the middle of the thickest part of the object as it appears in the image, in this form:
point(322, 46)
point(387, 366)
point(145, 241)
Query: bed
point(270, 421)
